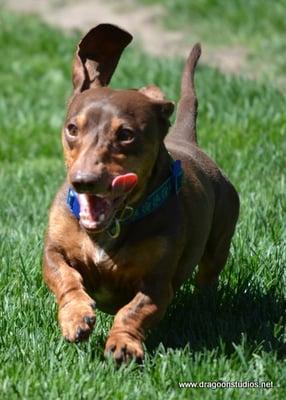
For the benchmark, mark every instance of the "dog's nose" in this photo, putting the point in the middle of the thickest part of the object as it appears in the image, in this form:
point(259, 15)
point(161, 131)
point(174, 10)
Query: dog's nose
point(87, 183)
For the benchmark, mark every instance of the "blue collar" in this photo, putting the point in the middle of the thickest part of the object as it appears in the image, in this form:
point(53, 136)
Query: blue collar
point(155, 200)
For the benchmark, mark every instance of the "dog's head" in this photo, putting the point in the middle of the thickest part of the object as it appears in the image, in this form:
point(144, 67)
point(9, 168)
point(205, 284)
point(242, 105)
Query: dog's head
point(111, 138)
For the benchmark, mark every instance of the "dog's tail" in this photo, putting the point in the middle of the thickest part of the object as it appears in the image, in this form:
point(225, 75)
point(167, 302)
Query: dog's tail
point(185, 125)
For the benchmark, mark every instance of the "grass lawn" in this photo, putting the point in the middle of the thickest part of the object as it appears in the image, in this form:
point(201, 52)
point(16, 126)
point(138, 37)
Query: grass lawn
point(258, 26)
point(238, 335)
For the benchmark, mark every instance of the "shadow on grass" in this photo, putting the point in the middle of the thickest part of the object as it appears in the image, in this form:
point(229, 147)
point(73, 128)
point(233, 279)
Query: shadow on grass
point(218, 320)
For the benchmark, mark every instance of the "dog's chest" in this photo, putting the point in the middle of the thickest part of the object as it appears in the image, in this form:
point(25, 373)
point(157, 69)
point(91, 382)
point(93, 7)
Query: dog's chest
point(104, 262)
point(111, 285)
point(100, 257)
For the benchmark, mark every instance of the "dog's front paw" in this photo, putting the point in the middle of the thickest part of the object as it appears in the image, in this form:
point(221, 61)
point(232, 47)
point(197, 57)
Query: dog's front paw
point(77, 319)
point(123, 347)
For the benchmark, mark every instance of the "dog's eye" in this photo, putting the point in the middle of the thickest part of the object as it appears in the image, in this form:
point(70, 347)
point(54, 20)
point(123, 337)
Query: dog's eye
point(72, 130)
point(125, 135)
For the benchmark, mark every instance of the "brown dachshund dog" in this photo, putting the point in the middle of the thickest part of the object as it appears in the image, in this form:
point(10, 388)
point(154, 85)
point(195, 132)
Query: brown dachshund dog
point(138, 210)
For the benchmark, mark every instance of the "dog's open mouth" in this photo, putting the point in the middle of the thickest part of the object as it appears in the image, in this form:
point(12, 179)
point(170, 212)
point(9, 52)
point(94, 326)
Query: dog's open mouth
point(97, 211)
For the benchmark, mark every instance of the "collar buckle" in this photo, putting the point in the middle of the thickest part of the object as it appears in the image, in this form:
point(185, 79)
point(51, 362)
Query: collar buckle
point(126, 213)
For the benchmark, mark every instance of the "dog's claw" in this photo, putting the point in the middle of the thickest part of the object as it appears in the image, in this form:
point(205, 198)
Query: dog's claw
point(82, 334)
point(77, 320)
point(123, 350)
point(89, 320)
point(110, 350)
point(93, 305)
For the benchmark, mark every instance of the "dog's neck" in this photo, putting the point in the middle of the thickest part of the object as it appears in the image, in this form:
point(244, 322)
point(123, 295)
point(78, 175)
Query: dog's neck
point(160, 172)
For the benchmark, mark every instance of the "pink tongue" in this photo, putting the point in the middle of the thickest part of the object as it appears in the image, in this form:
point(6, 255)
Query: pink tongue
point(124, 183)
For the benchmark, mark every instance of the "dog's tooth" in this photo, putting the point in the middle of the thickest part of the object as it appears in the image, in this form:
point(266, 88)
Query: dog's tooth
point(101, 217)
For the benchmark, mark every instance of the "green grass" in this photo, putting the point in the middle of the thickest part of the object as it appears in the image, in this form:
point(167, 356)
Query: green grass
point(238, 335)
point(257, 25)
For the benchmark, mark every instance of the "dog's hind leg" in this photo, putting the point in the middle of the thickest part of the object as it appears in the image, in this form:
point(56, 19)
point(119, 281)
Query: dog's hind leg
point(213, 261)
point(218, 244)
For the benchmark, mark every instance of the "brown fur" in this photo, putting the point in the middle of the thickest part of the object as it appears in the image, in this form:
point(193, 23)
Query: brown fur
point(135, 275)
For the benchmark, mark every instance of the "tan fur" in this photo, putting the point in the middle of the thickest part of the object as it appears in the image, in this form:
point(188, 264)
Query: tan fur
point(81, 120)
point(116, 123)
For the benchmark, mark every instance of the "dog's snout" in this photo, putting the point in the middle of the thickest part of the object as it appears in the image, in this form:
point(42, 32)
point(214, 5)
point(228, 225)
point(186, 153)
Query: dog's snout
point(87, 183)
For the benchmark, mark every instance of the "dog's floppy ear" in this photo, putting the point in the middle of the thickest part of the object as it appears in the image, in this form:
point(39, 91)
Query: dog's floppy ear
point(97, 56)
point(164, 107)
